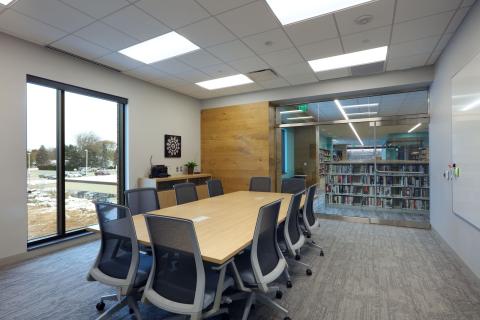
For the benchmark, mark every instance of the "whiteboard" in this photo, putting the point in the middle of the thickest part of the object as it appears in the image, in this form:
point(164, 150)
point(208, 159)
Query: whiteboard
point(466, 141)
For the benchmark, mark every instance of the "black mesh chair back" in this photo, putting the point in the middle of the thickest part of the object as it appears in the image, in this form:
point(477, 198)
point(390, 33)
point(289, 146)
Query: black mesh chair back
point(308, 207)
point(292, 224)
point(265, 250)
point(142, 200)
point(118, 256)
point(261, 184)
point(293, 185)
point(177, 273)
point(185, 192)
point(214, 188)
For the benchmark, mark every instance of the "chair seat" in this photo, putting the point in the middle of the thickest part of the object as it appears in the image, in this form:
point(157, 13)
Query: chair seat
point(118, 268)
point(211, 283)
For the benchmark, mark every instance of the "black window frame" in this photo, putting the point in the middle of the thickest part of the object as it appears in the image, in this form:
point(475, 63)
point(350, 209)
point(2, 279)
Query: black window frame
point(61, 88)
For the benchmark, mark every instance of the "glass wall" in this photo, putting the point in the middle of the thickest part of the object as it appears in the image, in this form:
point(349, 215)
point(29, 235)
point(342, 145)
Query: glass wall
point(372, 154)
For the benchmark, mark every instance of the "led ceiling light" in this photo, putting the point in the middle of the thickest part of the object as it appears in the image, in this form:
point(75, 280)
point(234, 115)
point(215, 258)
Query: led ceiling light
point(225, 82)
point(5, 2)
point(345, 116)
point(293, 11)
point(415, 127)
point(160, 48)
point(291, 111)
point(300, 118)
point(349, 59)
point(365, 105)
point(362, 113)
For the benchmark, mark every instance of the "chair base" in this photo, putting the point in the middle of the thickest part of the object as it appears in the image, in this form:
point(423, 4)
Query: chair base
point(129, 301)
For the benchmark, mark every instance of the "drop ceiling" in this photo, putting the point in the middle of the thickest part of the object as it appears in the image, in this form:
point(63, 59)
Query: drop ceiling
point(236, 36)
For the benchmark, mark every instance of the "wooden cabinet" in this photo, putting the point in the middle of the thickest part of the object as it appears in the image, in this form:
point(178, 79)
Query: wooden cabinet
point(164, 186)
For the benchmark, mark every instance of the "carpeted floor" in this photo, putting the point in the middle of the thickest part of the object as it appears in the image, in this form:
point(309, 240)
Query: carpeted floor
point(369, 272)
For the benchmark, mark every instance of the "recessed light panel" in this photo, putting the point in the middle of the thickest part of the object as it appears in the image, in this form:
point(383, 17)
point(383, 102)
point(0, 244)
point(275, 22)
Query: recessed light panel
point(288, 11)
point(225, 82)
point(160, 48)
point(350, 59)
point(5, 2)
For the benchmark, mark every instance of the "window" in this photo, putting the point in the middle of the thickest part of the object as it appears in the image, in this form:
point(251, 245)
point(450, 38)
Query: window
point(75, 155)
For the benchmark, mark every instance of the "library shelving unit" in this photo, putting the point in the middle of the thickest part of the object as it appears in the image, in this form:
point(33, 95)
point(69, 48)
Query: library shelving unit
point(324, 157)
point(396, 184)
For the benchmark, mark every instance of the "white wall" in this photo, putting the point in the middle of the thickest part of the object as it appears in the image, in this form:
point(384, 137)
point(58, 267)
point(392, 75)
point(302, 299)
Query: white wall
point(461, 236)
point(328, 89)
point(152, 112)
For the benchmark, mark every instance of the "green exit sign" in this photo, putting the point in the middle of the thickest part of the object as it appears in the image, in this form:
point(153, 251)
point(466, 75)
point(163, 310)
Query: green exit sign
point(303, 107)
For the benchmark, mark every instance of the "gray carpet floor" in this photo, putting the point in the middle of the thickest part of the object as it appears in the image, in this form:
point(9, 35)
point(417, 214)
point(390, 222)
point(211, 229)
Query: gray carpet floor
point(369, 272)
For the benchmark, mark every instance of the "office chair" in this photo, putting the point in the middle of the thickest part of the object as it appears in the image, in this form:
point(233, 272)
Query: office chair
point(290, 236)
point(179, 282)
point(308, 221)
point(293, 185)
point(119, 263)
point(185, 192)
point(262, 264)
point(261, 184)
point(214, 188)
point(142, 200)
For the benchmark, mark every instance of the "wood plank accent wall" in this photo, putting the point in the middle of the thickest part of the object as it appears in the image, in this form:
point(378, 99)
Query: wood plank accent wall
point(238, 143)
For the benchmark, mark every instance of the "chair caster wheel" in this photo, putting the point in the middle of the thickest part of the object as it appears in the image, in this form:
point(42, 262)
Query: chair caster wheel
point(225, 316)
point(289, 284)
point(100, 306)
point(309, 236)
point(130, 311)
point(252, 307)
point(309, 272)
point(279, 294)
point(297, 257)
point(322, 254)
point(287, 318)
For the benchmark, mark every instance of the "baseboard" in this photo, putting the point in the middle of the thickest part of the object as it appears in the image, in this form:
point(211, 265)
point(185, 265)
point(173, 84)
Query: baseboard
point(385, 222)
point(31, 254)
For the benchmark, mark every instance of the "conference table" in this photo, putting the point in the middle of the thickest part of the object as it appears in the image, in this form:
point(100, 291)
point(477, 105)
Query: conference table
point(224, 224)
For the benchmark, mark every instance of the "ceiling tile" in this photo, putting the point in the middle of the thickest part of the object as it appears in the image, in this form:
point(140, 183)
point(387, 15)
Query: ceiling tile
point(421, 28)
point(259, 19)
point(199, 58)
point(80, 47)
point(106, 36)
point(219, 70)
point(269, 41)
point(381, 13)
point(207, 33)
point(444, 41)
point(231, 51)
point(334, 74)
point(136, 23)
point(239, 89)
point(411, 48)
point(468, 3)
point(219, 6)
point(414, 9)
point(408, 62)
point(146, 72)
point(119, 61)
point(301, 79)
point(312, 30)
point(174, 13)
point(367, 40)
point(171, 66)
point(54, 13)
point(457, 19)
point(193, 76)
point(249, 64)
point(434, 57)
point(322, 49)
point(27, 28)
point(96, 8)
point(275, 83)
point(294, 69)
point(170, 82)
point(283, 57)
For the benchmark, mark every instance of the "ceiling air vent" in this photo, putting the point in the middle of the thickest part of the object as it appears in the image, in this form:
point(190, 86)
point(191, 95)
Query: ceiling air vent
point(262, 75)
point(368, 69)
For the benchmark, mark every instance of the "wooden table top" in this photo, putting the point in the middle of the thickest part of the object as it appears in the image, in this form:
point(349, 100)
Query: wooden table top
point(224, 224)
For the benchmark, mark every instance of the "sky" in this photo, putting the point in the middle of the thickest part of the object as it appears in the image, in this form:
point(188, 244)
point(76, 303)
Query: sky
point(82, 114)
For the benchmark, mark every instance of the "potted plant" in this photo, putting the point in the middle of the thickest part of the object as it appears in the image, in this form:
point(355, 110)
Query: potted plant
point(191, 166)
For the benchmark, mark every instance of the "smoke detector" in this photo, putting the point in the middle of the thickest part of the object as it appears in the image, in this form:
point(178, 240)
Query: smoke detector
point(363, 19)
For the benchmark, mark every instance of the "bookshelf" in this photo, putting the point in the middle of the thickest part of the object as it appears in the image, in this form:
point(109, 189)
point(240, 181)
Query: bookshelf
point(396, 184)
point(324, 157)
